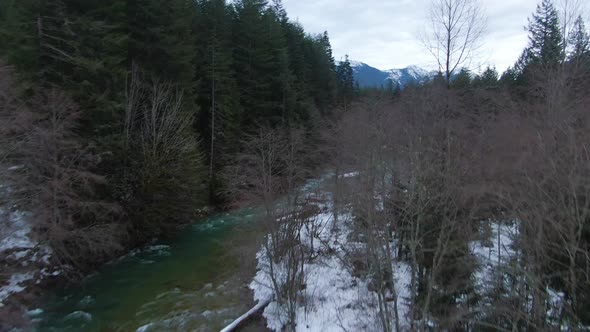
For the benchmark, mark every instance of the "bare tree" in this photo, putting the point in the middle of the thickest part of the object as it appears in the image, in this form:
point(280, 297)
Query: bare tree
point(52, 176)
point(267, 172)
point(163, 177)
point(455, 32)
point(569, 11)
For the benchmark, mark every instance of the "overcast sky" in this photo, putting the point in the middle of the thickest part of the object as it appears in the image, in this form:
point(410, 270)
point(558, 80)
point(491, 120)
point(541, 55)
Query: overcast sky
point(384, 33)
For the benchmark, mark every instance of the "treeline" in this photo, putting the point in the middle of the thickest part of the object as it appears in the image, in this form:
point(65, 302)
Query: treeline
point(120, 115)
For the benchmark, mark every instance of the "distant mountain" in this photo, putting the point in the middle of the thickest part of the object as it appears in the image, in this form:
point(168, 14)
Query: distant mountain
point(368, 76)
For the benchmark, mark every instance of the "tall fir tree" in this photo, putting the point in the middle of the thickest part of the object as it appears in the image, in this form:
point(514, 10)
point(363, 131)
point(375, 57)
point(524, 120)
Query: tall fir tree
point(579, 40)
point(161, 41)
point(19, 38)
point(462, 80)
point(345, 76)
point(217, 89)
point(489, 78)
point(545, 37)
point(323, 74)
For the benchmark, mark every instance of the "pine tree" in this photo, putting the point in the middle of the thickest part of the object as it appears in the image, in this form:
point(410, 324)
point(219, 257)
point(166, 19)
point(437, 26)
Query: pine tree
point(345, 76)
point(19, 42)
point(298, 45)
point(323, 83)
point(97, 80)
point(217, 89)
point(250, 60)
point(508, 76)
point(281, 75)
point(279, 10)
point(545, 37)
point(161, 41)
point(489, 78)
point(261, 62)
point(462, 80)
point(579, 40)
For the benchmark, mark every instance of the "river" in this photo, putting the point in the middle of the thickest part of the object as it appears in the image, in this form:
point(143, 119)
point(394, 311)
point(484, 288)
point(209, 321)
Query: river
point(187, 283)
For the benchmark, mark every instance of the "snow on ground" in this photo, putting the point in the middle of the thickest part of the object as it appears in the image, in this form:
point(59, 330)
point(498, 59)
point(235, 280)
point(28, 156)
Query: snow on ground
point(25, 260)
point(15, 285)
point(14, 233)
point(498, 251)
point(350, 175)
point(335, 300)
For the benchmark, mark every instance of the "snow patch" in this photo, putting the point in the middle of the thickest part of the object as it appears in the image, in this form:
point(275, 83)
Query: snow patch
point(333, 299)
point(15, 233)
point(350, 175)
point(14, 285)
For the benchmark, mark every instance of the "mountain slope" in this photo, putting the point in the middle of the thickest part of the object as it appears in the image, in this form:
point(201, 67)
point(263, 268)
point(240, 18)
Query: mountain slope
point(368, 76)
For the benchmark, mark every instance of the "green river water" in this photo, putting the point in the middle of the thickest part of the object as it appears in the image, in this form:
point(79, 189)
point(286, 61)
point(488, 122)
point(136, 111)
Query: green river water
point(182, 284)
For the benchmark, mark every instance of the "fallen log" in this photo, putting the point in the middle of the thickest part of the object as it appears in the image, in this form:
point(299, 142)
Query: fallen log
point(245, 317)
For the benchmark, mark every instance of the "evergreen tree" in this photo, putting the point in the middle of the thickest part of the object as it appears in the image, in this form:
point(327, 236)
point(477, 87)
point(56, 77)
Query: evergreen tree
point(345, 76)
point(489, 78)
point(217, 89)
point(462, 80)
point(509, 77)
point(297, 40)
point(279, 11)
point(545, 37)
point(579, 40)
point(161, 41)
point(97, 79)
point(281, 77)
point(322, 67)
point(253, 61)
point(19, 41)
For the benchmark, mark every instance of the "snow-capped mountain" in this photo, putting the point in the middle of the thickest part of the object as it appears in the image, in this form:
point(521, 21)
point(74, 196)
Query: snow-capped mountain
point(368, 76)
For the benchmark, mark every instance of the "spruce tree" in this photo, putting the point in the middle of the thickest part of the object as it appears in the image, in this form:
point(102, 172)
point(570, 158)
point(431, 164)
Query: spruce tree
point(509, 77)
point(299, 64)
point(345, 76)
point(579, 40)
point(545, 37)
point(462, 80)
point(489, 78)
point(323, 83)
point(161, 41)
point(217, 89)
point(261, 63)
point(19, 42)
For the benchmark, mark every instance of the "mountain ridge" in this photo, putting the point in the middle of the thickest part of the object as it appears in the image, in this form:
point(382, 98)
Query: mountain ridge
point(370, 77)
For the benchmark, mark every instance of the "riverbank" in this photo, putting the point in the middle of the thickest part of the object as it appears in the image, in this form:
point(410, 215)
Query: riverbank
point(195, 280)
point(29, 267)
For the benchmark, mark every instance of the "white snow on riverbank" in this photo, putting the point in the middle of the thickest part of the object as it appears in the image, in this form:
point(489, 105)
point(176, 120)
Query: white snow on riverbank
point(15, 231)
point(25, 259)
point(15, 285)
point(333, 299)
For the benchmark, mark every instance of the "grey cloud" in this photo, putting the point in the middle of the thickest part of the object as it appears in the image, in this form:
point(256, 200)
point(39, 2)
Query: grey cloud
point(384, 33)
